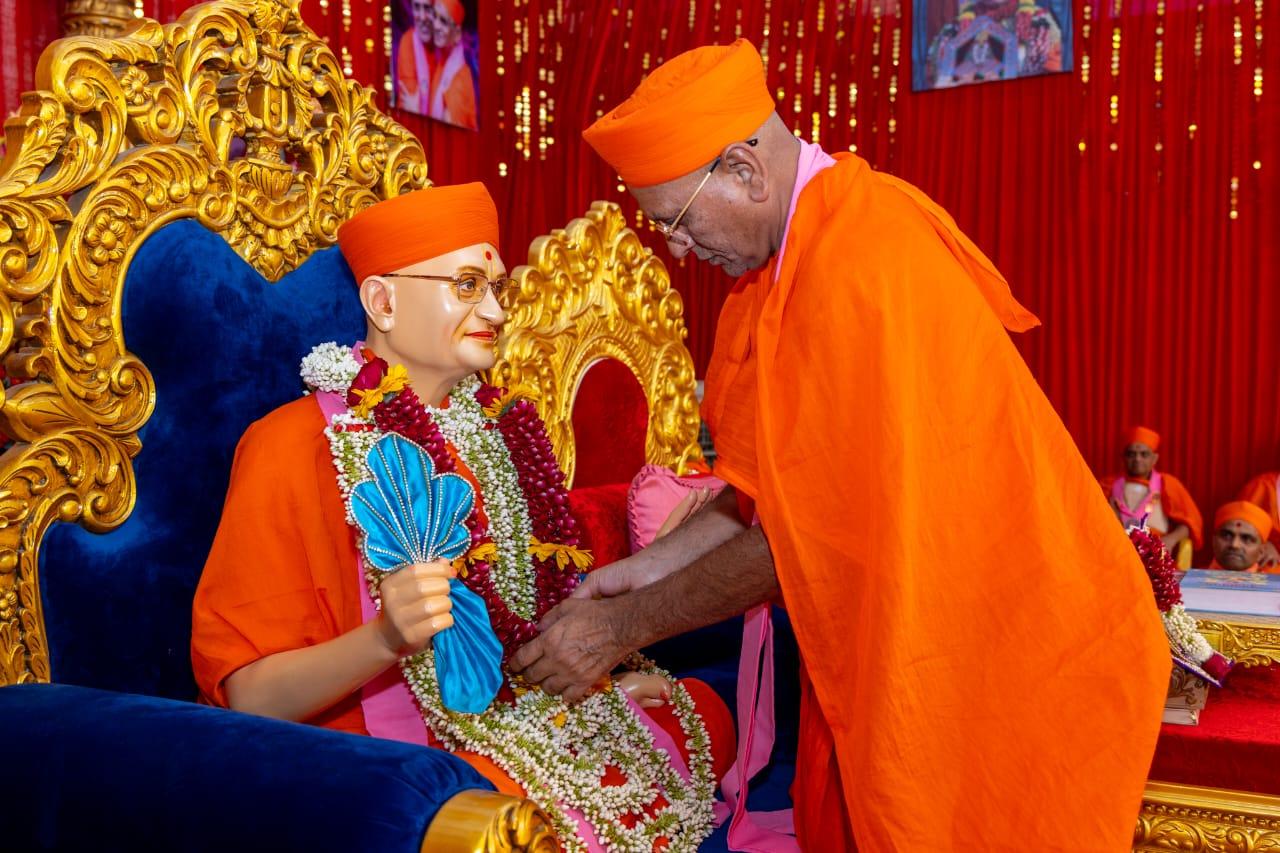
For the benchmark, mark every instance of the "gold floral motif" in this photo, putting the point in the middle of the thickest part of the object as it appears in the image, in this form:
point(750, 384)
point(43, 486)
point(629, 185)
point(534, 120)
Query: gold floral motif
point(102, 18)
point(592, 291)
point(1206, 820)
point(237, 116)
point(485, 822)
point(1249, 641)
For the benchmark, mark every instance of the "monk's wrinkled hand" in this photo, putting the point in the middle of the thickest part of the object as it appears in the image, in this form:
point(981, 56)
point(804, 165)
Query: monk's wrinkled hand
point(580, 641)
point(415, 606)
point(617, 578)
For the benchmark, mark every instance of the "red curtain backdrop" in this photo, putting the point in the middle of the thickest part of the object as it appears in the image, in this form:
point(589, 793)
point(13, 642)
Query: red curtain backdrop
point(1132, 203)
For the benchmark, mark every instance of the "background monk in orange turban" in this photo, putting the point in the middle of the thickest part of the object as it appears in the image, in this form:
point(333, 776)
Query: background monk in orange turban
point(1264, 491)
point(1240, 529)
point(971, 678)
point(1143, 494)
point(285, 621)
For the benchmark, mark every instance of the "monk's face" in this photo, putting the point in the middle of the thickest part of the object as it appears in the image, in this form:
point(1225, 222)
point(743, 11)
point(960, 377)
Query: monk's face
point(427, 324)
point(424, 13)
point(1139, 460)
point(728, 222)
point(1237, 545)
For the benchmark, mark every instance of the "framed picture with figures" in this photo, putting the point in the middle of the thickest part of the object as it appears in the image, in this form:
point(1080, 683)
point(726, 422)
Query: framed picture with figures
point(435, 60)
point(958, 42)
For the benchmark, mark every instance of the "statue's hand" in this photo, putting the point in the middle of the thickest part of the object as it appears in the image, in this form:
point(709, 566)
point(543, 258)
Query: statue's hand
point(415, 606)
point(648, 690)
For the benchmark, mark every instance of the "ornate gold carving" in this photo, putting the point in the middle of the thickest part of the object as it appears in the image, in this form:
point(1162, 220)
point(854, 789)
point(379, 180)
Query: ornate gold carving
point(592, 291)
point(1206, 820)
point(236, 115)
point(485, 822)
point(1249, 641)
point(102, 18)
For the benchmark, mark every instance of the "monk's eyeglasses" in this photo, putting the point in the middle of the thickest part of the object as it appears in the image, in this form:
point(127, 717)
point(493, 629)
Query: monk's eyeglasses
point(468, 287)
point(669, 231)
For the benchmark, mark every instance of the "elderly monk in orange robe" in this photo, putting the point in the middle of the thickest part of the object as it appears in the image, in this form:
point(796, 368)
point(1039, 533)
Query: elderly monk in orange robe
point(1264, 491)
point(279, 627)
point(972, 679)
point(1143, 494)
point(432, 73)
point(1240, 530)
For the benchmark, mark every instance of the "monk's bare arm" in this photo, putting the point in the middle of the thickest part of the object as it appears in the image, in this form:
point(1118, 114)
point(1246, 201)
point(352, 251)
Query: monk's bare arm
point(712, 526)
point(300, 683)
point(582, 640)
point(1176, 535)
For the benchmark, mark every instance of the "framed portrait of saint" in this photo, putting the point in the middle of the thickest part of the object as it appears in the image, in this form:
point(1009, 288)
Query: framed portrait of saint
point(435, 57)
point(959, 42)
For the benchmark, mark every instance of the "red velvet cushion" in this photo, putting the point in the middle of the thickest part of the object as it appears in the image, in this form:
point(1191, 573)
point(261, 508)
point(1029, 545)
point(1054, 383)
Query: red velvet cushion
point(1236, 745)
point(601, 512)
point(610, 420)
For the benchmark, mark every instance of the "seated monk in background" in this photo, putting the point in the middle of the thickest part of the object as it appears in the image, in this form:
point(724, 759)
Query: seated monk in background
point(1240, 529)
point(1143, 493)
point(1264, 491)
point(290, 622)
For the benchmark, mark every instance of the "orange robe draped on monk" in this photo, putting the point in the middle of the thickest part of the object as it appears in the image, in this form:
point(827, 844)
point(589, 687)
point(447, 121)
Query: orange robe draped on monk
point(984, 666)
point(282, 574)
point(420, 88)
point(1261, 491)
point(1175, 502)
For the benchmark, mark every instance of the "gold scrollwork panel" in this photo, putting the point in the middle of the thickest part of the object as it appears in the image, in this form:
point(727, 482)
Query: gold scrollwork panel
point(1245, 642)
point(1206, 820)
point(593, 291)
point(238, 116)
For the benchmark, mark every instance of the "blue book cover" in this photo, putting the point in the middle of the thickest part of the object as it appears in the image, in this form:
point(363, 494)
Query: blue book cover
point(1219, 591)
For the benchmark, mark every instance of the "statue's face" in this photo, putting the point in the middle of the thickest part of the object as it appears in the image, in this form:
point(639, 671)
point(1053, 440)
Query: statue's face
point(1237, 545)
point(432, 327)
point(1139, 460)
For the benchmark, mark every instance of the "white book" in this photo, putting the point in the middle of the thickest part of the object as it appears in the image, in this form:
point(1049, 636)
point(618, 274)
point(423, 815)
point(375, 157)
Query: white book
point(1221, 591)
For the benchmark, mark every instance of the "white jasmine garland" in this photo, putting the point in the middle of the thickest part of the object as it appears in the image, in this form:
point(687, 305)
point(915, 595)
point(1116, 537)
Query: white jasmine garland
point(330, 367)
point(558, 752)
point(1184, 635)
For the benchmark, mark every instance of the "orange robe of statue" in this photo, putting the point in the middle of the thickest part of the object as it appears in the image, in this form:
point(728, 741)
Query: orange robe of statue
point(1261, 490)
point(1175, 502)
point(984, 666)
point(282, 575)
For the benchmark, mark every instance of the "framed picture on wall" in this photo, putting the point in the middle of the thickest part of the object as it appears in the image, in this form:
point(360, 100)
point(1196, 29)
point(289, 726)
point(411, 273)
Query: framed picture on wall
point(958, 42)
point(436, 57)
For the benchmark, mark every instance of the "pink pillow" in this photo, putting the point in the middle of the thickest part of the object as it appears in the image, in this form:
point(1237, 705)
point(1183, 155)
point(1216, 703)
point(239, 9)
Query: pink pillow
point(655, 492)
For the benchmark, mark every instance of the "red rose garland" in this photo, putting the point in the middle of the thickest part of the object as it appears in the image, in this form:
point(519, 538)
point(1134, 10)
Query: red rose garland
point(541, 482)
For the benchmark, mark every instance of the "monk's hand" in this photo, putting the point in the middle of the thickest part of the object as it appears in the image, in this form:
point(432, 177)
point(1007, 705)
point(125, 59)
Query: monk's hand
point(1270, 556)
point(619, 578)
point(415, 606)
point(580, 642)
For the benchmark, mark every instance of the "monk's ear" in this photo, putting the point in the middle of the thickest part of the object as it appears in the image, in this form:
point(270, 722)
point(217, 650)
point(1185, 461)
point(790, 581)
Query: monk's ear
point(378, 297)
point(745, 163)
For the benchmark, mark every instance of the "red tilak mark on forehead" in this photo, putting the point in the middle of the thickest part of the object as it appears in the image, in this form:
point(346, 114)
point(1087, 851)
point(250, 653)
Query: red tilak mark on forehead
point(488, 256)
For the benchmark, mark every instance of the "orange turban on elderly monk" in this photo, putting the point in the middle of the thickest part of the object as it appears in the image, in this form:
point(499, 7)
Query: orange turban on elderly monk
point(684, 114)
point(1246, 512)
point(1142, 435)
point(418, 225)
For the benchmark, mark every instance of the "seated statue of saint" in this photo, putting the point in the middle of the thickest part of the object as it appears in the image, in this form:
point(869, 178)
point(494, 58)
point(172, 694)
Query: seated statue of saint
point(391, 538)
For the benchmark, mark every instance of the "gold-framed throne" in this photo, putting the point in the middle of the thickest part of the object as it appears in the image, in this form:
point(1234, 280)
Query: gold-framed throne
point(168, 196)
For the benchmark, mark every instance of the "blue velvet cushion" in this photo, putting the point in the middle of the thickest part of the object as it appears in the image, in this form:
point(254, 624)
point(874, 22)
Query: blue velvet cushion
point(110, 771)
point(223, 345)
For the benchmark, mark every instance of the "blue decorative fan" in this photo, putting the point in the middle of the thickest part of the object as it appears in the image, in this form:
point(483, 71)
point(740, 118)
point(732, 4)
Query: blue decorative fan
point(410, 514)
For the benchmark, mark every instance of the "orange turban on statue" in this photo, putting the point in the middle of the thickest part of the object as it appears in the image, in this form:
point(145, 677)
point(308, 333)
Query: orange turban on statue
point(684, 114)
point(1142, 435)
point(1246, 512)
point(418, 225)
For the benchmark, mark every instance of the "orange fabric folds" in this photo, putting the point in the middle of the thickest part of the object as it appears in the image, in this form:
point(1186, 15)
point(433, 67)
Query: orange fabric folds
point(413, 227)
point(684, 113)
point(981, 638)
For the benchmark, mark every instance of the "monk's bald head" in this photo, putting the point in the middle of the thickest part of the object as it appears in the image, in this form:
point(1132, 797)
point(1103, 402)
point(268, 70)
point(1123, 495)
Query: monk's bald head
point(737, 218)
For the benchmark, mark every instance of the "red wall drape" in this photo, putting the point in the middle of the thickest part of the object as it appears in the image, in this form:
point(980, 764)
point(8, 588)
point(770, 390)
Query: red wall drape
point(1132, 206)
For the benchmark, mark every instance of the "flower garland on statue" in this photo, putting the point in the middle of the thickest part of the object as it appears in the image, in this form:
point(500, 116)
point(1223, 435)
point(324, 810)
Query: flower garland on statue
point(1188, 645)
point(523, 559)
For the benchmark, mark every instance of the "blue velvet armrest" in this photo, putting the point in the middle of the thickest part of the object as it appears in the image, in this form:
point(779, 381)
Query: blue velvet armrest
point(115, 771)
